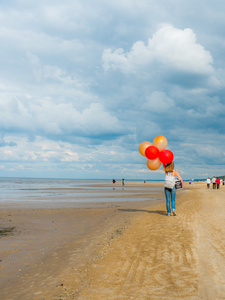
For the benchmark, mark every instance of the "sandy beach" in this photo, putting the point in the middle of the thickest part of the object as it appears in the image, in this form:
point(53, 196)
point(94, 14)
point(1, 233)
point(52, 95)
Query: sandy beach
point(125, 250)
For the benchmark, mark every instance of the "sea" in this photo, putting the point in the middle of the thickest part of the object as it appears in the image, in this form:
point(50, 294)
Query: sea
point(41, 192)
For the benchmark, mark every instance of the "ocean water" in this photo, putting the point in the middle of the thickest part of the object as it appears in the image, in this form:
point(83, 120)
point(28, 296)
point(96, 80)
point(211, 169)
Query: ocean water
point(30, 190)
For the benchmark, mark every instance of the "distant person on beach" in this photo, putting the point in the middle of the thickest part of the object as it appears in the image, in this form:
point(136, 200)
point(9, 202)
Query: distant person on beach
point(214, 182)
point(208, 181)
point(114, 181)
point(217, 183)
point(123, 180)
point(171, 192)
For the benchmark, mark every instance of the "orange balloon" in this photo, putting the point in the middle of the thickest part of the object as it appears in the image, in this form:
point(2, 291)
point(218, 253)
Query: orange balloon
point(153, 164)
point(143, 147)
point(160, 142)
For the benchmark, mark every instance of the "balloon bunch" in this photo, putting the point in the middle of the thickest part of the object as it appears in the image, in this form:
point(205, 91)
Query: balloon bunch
point(156, 153)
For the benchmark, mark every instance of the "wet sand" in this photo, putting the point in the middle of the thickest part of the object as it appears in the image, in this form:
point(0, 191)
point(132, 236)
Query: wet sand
point(133, 251)
point(52, 237)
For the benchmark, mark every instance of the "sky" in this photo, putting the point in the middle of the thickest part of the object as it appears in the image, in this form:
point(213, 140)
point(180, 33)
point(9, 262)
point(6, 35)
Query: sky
point(84, 83)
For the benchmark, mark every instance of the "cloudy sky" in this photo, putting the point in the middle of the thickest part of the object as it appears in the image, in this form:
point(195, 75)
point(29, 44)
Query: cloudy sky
point(83, 83)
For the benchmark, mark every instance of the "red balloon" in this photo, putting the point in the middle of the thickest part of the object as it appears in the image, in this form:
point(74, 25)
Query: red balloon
point(151, 152)
point(166, 156)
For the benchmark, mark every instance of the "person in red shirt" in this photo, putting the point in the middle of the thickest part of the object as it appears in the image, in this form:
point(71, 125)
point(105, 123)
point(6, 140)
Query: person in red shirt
point(217, 182)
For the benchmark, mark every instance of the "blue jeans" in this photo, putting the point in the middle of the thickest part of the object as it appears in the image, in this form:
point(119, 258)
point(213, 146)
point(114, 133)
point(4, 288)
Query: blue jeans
point(170, 198)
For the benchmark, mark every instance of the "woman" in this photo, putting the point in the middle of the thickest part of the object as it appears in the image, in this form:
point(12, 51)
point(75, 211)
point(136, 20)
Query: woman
point(214, 182)
point(171, 192)
point(208, 181)
point(217, 183)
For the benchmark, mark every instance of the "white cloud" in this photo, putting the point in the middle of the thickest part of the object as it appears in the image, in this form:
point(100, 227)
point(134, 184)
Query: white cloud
point(70, 156)
point(40, 149)
point(32, 116)
point(179, 49)
point(169, 46)
point(143, 171)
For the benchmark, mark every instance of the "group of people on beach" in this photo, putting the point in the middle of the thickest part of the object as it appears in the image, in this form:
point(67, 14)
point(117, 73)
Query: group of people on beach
point(216, 182)
point(191, 181)
point(114, 181)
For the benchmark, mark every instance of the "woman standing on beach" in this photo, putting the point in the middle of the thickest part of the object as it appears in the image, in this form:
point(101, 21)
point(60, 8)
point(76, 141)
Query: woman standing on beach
point(170, 192)
point(214, 182)
point(208, 181)
point(217, 182)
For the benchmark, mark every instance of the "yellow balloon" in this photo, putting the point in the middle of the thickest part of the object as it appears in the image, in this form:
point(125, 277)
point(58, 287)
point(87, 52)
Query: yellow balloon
point(160, 142)
point(143, 146)
point(153, 164)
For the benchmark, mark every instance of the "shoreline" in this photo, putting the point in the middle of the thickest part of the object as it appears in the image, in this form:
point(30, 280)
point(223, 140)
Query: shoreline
point(77, 196)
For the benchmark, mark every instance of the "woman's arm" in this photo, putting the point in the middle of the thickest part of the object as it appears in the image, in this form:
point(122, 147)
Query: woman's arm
point(178, 175)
